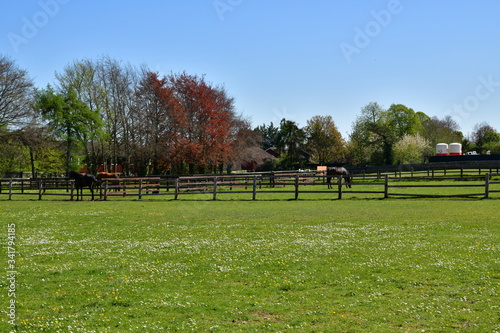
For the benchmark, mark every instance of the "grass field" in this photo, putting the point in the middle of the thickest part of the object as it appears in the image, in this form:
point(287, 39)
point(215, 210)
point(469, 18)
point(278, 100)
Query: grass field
point(355, 265)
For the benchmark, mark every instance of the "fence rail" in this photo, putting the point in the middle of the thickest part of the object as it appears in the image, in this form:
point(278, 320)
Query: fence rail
point(256, 184)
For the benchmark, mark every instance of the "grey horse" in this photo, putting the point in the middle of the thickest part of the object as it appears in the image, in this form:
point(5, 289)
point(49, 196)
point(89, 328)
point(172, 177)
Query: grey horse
point(338, 171)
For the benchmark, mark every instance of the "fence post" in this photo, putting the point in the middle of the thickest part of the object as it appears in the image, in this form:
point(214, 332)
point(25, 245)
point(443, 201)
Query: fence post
point(296, 187)
point(215, 188)
point(40, 189)
point(386, 187)
point(176, 188)
point(140, 189)
point(340, 187)
point(487, 186)
point(105, 189)
point(10, 189)
point(254, 191)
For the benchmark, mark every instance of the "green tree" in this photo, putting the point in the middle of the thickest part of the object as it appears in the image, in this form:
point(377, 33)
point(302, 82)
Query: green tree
point(437, 130)
point(485, 137)
point(290, 143)
point(492, 141)
point(373, 136)
point(269, 135)
point(411, 149)
point(324, 141)
point(70, 119)
point(14, 155)
point(108, 86)
point(403, 120)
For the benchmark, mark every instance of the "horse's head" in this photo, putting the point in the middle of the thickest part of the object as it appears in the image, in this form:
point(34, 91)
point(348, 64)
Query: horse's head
point(74, 175)
point(348, 180)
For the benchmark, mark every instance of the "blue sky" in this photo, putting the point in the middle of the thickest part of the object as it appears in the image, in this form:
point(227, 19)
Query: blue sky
point(283, 59)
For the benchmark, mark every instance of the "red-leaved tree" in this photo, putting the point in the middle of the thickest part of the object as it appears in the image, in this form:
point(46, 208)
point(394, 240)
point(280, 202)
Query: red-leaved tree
point(184, 124)
point(158, 125)
point(208, 114)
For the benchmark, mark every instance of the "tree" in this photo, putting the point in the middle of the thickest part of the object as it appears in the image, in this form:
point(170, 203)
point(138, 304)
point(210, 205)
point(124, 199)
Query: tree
point(16, 94)
point(44, 153)
point(290, 143)
point(118, 82)
point(411, 149)
point(269, 135)
point(81, 78)
point(108, 86)
point(158, 124)
point(14, 155)
point(485, 137)
point(376, 131)
point(403, 120)
point(243, 139)
point(324, 141)
point(208, 115)
point(69, 118)
point(373, 136)
point(437, 130)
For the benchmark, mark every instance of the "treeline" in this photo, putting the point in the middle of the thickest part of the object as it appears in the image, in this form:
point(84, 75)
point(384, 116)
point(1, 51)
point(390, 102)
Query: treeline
point(102, 112)
point(108, 113)
point(397, 135)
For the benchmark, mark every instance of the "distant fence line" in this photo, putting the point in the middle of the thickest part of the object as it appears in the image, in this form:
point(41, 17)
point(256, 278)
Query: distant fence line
point(475, 167)
point(294, 183)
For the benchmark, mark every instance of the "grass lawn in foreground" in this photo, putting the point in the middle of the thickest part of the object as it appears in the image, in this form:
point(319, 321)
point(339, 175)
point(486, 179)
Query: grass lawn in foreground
point(356, 265)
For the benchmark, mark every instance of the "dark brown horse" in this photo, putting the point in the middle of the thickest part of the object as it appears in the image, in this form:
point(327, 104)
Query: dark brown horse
point(81, 181)
point(338, 171)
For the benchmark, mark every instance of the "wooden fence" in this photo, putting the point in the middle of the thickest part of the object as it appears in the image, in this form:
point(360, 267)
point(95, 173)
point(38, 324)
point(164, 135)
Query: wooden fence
point(294, 184)
point(428, 170)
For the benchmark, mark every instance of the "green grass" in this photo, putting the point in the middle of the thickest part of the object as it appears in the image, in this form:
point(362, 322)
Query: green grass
point(357, 265)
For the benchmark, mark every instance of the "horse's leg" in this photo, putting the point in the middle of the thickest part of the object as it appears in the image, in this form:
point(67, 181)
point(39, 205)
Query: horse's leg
point(92, 191)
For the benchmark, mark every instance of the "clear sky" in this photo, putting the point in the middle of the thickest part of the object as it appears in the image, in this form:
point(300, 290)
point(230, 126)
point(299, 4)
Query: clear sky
point(282, 58)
